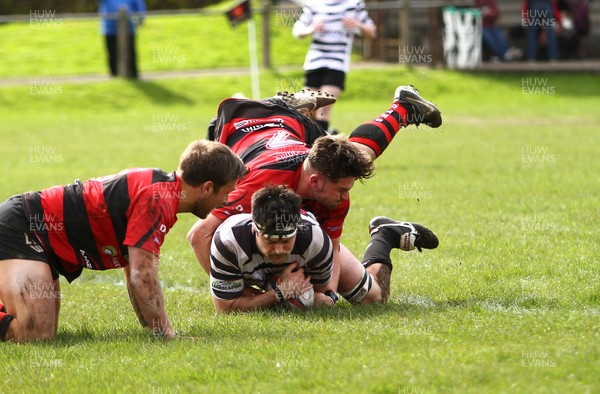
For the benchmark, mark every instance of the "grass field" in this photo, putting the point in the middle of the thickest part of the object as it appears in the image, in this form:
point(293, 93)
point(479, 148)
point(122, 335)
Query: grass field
point(507, 303)
point(56, 46)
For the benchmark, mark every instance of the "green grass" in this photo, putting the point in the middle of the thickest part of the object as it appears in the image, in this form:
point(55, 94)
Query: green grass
point(188, 42)
point(507, 303)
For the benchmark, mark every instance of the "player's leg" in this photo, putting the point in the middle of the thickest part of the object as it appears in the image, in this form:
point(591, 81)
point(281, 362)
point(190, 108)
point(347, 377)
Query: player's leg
point(388, 234)
point(57, 303)
point(356, 284)
point(407, 108)
point(317, 115)
point(316, 81)
point(333, 83)
point(362, 285)
point(31, 298)
point(323, 114)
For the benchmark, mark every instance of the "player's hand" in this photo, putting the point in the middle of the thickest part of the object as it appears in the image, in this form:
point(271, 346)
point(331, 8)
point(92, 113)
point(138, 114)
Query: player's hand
point(351, 23)
point(293, 282)
point(317, 26)
point(321, 299)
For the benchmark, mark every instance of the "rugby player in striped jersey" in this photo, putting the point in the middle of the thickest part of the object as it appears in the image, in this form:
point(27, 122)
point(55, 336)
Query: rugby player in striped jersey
point(275, 254)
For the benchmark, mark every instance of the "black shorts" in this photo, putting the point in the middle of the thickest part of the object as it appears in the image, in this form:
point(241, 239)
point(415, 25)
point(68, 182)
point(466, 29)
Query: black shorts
point(17, 240)
point(325, 76)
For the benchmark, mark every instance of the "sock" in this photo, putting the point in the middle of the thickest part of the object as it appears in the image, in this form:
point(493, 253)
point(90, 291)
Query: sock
point(323, 123)
point(378, 250)
point(2, 308)
point(377, 134)
point(5, 320)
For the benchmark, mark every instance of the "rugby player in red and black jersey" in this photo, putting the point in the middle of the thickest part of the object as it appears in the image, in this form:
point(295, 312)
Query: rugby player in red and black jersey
point(116, 221)
point(280, 144)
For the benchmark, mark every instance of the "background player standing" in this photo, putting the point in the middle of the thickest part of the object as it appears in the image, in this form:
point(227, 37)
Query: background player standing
point(332, 24)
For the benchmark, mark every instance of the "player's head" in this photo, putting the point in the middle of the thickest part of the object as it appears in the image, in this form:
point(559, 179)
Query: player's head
point(334, 164)
point(204, 161)
point(275, 217)
point(209, 171)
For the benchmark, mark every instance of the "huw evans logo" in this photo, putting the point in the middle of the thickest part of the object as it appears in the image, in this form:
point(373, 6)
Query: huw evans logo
point(539, 86)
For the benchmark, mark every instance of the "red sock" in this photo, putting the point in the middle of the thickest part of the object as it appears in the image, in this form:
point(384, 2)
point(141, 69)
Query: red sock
point(378, 133)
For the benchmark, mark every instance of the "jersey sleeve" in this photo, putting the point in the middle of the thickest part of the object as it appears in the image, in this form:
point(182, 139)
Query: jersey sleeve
point(362, 15)
point(149, 220)
point(226, 279)
point(319, 264)
point(306, 18)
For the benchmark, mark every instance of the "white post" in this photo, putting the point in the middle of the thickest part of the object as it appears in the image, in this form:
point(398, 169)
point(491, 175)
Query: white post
point(254, 74)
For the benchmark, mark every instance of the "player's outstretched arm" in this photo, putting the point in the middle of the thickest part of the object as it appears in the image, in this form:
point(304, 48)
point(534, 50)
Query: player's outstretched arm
point(134, 303)
point(246, 302)
point(200, 237)
point(144, 287)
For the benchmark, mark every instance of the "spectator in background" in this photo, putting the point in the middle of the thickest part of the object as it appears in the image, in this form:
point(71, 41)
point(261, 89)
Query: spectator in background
point(574, 26)
point(492, 36)
point(332, 25)
point(108, 10)
point(566, 33)
point(540, 18)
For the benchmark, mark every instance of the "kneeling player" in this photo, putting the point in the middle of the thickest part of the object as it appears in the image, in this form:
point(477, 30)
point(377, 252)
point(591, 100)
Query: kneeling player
point(118, 221)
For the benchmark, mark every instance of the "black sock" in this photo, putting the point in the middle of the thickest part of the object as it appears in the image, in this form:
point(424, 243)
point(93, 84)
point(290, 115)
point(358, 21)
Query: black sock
point(5, 320)
point(324, 124)
point(378, 250)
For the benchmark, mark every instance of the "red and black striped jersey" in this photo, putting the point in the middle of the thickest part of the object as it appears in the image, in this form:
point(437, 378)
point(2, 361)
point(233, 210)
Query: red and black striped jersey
point(273, 140)
point(90, 224)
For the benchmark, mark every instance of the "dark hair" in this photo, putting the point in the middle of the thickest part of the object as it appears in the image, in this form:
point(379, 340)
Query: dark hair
point(276, 210)
point(204, 161)
point(337, 158)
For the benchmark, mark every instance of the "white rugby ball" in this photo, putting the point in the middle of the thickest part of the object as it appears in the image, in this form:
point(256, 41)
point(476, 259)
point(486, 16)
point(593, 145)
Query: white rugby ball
point(303, 301)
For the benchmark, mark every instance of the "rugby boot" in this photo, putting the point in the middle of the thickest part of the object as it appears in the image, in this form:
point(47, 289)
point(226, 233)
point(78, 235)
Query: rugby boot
point(412, 235)
point(306, 100)
point(420, 111)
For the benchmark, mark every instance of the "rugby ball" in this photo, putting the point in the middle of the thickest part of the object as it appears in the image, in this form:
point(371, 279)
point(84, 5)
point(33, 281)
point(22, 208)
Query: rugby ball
point(303, 301)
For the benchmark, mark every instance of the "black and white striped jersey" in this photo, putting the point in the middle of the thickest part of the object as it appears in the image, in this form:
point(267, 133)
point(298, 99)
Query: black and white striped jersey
point(236, 262)
point(331, 48)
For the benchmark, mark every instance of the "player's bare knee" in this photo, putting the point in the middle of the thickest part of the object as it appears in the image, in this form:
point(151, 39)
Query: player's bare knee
point(30, 328)
point(360, 291)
